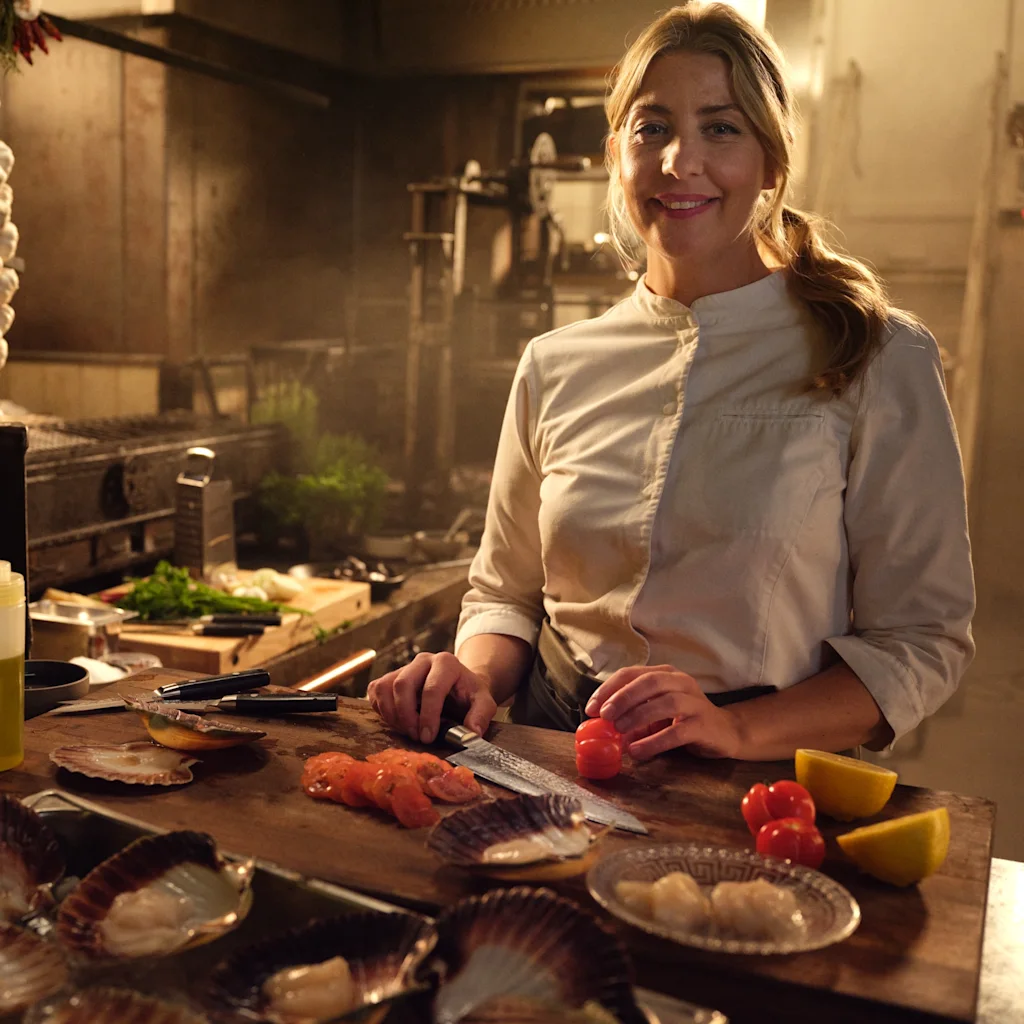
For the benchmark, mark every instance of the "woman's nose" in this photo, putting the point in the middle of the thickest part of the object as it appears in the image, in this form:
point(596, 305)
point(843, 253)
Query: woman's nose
point(682, 157)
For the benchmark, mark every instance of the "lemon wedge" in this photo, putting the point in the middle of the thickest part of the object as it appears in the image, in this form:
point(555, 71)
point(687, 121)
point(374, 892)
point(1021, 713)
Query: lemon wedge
point(843, 787)
point(901, 851)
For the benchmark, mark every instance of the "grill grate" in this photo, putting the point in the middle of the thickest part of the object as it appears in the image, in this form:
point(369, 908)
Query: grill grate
point(65, 437)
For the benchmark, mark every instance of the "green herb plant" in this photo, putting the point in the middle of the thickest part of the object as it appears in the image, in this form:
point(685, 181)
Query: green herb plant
point(339, 488)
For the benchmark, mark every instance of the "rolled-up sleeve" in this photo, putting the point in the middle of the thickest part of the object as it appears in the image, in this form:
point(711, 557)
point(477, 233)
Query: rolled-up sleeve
point(906, 524)
point(507, 575)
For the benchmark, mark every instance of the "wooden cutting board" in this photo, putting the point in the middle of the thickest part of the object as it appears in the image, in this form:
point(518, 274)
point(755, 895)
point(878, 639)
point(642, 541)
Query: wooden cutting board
point(916, 956)
point(331, 603)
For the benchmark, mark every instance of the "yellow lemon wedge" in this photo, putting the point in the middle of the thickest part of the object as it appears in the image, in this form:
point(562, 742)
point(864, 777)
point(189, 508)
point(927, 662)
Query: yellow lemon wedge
point(901, 851)
point(843, 787)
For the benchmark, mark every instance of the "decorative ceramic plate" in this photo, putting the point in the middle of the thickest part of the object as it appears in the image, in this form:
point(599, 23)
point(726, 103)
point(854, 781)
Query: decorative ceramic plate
point(830, 912)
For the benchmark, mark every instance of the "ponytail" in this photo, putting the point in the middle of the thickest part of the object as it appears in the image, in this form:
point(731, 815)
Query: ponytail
point(846, 299)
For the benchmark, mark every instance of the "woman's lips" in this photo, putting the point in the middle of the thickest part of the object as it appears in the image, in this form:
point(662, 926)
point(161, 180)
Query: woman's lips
point(680, 208)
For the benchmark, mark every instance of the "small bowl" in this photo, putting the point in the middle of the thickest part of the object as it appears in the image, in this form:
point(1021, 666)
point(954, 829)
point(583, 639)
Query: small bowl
point(47, 683)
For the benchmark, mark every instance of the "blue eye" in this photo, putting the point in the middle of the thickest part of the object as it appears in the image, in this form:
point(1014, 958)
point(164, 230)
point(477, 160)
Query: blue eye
point(721, 128)
point(649, 130)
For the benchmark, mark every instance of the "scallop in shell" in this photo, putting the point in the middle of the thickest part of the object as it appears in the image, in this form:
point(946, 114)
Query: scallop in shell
point(114, 1006)
point(30, 859)
point(379, 956)
point(30, 969)
point(539, 838)
point(139, 763)
point(159, 895)
point(529, 944)
point(171, 727)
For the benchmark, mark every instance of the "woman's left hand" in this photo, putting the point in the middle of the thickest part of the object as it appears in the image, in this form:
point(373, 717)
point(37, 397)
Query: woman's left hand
point(658, 707)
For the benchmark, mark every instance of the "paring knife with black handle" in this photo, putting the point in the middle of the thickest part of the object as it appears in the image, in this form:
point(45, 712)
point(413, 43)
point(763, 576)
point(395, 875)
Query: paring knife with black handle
point(270, 704)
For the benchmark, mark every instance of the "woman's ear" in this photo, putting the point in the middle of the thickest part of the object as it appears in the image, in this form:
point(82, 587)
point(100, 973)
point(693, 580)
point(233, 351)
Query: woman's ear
point(771, 178)
point(612, 143)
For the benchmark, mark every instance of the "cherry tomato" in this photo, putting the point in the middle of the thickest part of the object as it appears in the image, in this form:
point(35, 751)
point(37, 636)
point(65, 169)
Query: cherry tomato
point(783, 799)
point(598, 758)
point(598, 729)
point(792, 839)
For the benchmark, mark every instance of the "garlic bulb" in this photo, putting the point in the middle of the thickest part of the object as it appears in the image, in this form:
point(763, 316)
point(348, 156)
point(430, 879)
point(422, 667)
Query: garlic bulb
point(28, 10)
point(8, 285)
point(8, 241)
point(277, 586)
point(6, 318)
point(4, 348)
point(6, 201)
point(6, 161)
point(250, 592)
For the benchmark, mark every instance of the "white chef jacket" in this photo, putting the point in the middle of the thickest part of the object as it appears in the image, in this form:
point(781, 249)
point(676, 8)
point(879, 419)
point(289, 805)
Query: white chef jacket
point(667, 491)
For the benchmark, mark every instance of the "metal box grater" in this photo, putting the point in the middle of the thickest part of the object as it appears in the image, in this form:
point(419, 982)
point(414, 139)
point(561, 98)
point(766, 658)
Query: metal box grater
point(204, 520)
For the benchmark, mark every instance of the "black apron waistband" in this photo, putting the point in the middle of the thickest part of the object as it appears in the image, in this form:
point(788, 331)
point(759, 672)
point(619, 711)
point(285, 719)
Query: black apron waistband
point(557, 690)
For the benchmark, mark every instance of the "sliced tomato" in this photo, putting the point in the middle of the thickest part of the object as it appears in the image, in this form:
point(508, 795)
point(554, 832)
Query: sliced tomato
point(353, 790)
point(411, 806)
point(429, 766)
point(456, 786)
point(323, 773)
point(599, 729)
point(393, 755)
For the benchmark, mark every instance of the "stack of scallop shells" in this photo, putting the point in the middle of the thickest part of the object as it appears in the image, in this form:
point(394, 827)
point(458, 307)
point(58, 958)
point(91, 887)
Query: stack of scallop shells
point(8, 248)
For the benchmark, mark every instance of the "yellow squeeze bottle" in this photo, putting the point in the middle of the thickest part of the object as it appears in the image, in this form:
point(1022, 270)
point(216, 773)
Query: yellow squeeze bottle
point(12, 667)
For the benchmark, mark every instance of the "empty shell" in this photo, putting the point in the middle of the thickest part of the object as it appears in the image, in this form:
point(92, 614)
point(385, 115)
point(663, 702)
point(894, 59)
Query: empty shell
point(31, 860)
point(529, 943)
point(171, 727)
point(139, 763)
point(159, 895)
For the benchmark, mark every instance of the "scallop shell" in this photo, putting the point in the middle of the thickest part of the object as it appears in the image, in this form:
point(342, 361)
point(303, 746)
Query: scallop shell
point(383, 951)
point(533, 944)
point(139, 762)
point(30, 860)
point(171, 727)
point(173, 867)
point(30, 969)
point(549, 834)
point(115, 1006)
point(529, 1011)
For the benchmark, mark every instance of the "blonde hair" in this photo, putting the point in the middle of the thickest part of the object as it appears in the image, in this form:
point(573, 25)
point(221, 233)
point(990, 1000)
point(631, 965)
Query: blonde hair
point(843, 295)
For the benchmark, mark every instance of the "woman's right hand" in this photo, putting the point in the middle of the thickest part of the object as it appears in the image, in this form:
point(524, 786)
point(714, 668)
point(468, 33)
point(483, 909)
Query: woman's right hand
point(410, 699)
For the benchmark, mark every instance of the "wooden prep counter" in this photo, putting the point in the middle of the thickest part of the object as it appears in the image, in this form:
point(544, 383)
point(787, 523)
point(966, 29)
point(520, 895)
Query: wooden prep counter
point(915, 957)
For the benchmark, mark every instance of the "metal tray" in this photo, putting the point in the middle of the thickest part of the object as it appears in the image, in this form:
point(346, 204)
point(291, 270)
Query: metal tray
point(90, 833)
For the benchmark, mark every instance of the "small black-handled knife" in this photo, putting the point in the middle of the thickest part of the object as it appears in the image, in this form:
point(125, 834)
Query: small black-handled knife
point(271, 704)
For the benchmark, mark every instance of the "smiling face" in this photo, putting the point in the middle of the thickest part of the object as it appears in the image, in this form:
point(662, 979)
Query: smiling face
point(692, 169)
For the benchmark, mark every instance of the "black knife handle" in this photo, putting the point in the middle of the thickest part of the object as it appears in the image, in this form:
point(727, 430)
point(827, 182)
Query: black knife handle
point(217, 686)
point(243, 619)
point(280, 704)
point(230, 629)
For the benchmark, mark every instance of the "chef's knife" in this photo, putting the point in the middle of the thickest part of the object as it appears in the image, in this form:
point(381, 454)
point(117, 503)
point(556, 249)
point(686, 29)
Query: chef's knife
point(206, 689)
point(218, 619)
point(199, 627)
point(504, 768)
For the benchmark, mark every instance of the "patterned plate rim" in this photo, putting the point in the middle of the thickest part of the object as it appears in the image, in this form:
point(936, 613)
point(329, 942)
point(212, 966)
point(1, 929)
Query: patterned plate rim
point(838, 896)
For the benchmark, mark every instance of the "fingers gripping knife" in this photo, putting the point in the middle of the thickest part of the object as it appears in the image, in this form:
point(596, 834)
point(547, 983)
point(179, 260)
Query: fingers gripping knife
point(204, 520)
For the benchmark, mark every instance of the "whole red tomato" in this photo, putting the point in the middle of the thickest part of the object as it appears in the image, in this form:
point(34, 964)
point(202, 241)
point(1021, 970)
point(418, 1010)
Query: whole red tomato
point(598, 729)
point(783, 799)
point(598, 758)
point(792, 839)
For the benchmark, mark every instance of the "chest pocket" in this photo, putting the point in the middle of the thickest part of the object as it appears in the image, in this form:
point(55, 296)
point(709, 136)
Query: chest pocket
point(756, 472)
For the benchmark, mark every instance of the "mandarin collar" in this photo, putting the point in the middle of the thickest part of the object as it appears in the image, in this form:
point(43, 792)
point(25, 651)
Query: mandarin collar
point(738, 303)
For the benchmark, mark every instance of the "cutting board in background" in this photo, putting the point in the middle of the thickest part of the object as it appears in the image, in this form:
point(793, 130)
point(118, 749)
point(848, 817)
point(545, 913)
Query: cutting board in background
point(330, 602)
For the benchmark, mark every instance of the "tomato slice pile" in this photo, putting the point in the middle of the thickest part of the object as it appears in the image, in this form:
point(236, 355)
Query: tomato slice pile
point(399, 782)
